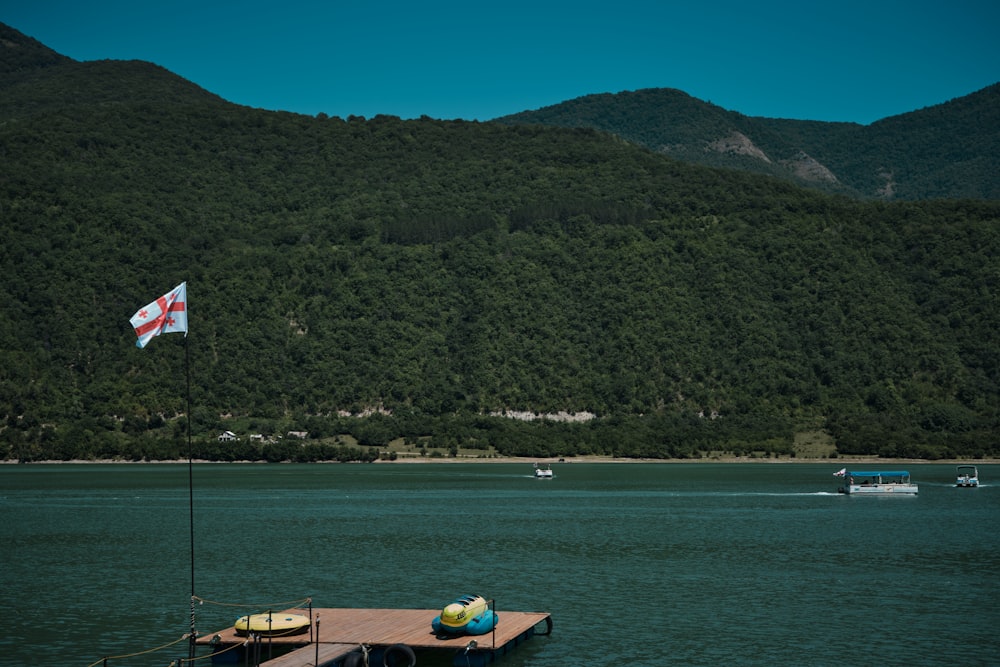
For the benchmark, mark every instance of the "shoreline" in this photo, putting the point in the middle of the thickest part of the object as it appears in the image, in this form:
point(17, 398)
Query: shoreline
point(430, 460)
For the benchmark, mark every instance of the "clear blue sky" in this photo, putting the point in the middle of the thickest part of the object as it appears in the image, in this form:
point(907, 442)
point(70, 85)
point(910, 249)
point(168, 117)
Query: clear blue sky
point(853, 60)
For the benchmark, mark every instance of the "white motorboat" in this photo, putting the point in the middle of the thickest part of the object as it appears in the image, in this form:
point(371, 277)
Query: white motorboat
point(968, 476)
point(543, 472)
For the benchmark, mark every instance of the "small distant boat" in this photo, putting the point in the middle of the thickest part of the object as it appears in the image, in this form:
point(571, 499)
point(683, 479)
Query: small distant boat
point(543, 473)
point(968, 476)
point(468, 615)
point(276, 624)
point(877, 483)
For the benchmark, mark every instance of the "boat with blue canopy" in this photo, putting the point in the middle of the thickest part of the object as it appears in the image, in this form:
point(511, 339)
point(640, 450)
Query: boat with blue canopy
point(877, 482)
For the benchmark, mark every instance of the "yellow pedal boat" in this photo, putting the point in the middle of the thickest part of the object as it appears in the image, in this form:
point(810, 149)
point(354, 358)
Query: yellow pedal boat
point(272, 624)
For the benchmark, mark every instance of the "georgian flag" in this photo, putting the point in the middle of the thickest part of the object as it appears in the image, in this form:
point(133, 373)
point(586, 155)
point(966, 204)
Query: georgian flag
point(165, 315)
point(840, 473)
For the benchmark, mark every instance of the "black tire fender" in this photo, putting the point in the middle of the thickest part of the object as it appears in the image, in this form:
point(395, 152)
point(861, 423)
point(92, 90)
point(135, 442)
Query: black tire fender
point(354, 659)
point(395, 654)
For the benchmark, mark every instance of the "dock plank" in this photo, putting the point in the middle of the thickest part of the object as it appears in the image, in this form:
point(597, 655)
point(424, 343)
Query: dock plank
point(345, 629)
point(311, 655)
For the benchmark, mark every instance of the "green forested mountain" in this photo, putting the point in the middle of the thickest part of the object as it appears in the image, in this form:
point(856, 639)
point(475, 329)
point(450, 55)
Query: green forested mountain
point(437, 272)
point(951, 150)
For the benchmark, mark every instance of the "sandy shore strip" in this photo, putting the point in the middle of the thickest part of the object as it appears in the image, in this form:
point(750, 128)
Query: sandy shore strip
point(557, 460)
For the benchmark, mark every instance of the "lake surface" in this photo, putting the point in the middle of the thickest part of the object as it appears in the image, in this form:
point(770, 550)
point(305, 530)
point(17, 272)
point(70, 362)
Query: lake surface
point(639, 564)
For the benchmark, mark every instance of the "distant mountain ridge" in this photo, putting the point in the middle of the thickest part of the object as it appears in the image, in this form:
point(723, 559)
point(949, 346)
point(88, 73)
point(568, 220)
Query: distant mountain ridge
point(23, 54)
point(947, 151)
point(35, 79)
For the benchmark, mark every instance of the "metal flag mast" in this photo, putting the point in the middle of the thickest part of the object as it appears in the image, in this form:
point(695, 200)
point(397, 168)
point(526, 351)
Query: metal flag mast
point(168, 314)
point(187, 372)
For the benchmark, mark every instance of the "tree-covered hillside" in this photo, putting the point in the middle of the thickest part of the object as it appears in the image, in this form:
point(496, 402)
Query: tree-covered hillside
point(438, 272)
point(951, 150)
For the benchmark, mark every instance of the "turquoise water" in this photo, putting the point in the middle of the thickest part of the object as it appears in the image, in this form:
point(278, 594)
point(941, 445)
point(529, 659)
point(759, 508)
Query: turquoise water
point(639, 564)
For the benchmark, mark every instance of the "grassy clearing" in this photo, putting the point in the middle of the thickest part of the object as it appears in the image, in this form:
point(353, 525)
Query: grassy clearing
point(814, 445)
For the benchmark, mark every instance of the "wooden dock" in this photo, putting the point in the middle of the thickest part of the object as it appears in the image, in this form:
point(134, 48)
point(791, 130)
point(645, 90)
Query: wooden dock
point(336, 632)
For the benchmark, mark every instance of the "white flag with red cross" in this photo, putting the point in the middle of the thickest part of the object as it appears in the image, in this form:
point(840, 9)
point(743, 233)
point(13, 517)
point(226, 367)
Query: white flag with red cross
point(168, 314)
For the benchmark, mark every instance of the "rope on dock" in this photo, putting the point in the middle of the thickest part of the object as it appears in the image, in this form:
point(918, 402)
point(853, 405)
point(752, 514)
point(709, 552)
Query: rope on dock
point(278, 633)
point(294, 604)
point(211, 655)
point(133, 655)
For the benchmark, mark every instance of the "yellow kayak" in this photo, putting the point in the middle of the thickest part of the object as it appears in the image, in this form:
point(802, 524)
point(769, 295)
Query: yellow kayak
point(272, 624)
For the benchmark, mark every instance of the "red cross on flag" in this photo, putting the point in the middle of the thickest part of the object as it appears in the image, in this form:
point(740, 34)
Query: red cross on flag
point(165, 315)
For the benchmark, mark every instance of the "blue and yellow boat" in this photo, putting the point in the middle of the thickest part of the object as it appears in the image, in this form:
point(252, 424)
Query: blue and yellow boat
point(468, 615)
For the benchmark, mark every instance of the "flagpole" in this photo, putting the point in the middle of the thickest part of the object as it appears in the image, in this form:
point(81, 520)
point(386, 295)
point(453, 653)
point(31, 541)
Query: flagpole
point(187, 369)
point(168, 314)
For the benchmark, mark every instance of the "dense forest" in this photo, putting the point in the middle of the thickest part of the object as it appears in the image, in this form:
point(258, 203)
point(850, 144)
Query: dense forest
point(381, 285)
point(950, 150)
